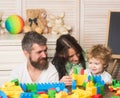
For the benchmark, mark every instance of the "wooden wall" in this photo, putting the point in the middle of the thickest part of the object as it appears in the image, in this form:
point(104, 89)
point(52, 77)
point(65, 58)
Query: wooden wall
point(94, 24)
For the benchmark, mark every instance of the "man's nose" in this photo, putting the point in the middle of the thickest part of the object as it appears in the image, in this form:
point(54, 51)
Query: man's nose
point(44, 54)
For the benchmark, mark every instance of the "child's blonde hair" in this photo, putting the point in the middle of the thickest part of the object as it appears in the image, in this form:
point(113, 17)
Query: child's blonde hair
point(100, 52)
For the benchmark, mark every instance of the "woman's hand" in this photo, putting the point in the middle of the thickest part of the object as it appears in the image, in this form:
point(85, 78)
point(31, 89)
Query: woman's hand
point(67, 80)
point(71, 72)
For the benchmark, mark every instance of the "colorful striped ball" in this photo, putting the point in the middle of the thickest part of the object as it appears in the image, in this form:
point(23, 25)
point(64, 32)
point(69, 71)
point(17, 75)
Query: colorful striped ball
point(14, 24)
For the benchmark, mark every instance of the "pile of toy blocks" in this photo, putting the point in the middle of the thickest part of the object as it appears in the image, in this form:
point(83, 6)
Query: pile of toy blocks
point(115, 87)
point(83, 86)
point(93, 85)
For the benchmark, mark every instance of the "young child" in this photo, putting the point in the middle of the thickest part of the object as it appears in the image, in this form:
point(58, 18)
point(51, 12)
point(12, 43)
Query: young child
point(98, 59)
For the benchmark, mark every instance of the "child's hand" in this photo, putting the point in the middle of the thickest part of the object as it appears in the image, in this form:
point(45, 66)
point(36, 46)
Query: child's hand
point(67, 80)
point(108, 83)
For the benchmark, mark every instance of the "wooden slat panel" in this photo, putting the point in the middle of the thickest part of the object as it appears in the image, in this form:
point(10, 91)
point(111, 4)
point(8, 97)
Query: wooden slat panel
point(9, 67)
point(94, 21)
point(9, 7)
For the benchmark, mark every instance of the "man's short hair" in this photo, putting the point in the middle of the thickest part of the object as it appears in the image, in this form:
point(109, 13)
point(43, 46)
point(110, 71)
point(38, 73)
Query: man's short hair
point(31, 38)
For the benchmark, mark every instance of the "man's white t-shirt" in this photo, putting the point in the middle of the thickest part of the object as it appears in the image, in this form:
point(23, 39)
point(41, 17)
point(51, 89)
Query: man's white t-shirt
point(106, 77)
point(21, 73)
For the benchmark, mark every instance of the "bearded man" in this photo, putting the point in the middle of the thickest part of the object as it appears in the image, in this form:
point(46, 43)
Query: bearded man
point(37, 69)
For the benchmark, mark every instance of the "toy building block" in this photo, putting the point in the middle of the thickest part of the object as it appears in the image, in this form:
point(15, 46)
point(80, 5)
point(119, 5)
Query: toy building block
point(26, 95)
point(65, 90)
point(41, 92)
point(97, 96)
point(75, 74)
point(92, 89)
point(115, 86)
point(51, 93)
point(24, 87)
point(11, 90)
point(79, 93)
point(80, 78)
point(82, 72)
point(89, 84)
point(43, 96)
point(97, 82)
point(32, 95)
point(3, 95)
point(74, 84)
point(100, 88)
point(16, 81)
point(118, 93)
point(115, 97)
point(91, 78)
point(75, 71)
point(114, 82)
point(61, 94)
point(42, 86)
point(76, 95)
point(9, 84)
point(98, 79)
point(35, 96)
point(84, 85)
point(31, 87)
point(57, 89)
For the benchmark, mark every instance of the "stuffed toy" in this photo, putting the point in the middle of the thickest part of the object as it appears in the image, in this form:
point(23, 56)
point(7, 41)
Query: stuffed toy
point(33, 23)
point(2, 29)
point(57, 24)
point(43, 19)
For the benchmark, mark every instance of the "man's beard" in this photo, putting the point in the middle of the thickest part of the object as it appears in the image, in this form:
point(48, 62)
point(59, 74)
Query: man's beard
point(40, 64)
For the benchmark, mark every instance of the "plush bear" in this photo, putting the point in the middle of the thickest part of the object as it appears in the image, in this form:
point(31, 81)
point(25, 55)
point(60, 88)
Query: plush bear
point(57, 24)
point(33, 23)
point(43, 19)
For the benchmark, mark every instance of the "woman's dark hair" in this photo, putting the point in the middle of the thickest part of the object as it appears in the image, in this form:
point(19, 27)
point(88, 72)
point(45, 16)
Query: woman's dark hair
point(64, 42)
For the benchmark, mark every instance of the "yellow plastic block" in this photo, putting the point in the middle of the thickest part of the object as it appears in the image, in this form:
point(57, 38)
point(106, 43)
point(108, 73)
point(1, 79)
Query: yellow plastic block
point(93, 90)
point(80, 93)
point(74, 76)
point(80, 79)
point(11, 90)
point(9, 84)
point(61, 95)
point(89, 84)
point(43, 96)
point(69, 96)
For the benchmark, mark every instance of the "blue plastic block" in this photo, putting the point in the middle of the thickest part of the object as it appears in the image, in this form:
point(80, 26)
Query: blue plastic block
point(74, 84)
point(3, 95)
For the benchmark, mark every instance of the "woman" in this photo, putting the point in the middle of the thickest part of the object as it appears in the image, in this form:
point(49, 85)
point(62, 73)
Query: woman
point(68, 55)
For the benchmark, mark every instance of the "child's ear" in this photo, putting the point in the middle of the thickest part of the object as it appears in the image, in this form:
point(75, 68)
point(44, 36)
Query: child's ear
point(105, 66)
